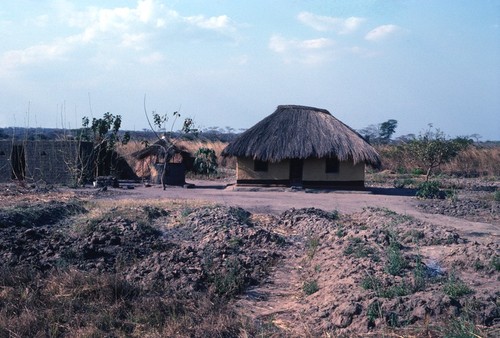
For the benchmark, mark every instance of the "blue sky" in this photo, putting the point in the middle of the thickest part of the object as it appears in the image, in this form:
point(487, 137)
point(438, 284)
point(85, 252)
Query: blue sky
point(230, 63)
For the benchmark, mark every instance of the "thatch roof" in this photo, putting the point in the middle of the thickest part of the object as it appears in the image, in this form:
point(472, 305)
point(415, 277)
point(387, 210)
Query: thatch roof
point(162, 148)
point(299, 132)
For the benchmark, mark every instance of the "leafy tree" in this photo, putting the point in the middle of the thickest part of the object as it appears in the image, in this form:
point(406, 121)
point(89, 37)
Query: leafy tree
point(431, 149)
point(167, 146)
point(387, 129)
point(380, 133)
point(371, 133)
point(103, 132)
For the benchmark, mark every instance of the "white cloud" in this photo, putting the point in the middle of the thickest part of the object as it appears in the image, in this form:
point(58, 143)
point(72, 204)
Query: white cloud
point(137, 28)
point(381, 32)
point(313, 51)
point(134, 41)
point(218, 23)
point(145, 10)
point(328, 23)
point(37, 53)
point(280, 45)
point(316, 43)
point(152, 58)
point(41, 20)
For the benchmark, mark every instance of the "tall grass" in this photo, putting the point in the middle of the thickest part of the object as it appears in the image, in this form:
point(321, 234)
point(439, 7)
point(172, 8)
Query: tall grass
point(73, 303)
point(474, 161)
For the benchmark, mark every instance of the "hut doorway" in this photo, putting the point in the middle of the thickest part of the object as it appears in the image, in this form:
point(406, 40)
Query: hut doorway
point(18, 162)
point(296, 169)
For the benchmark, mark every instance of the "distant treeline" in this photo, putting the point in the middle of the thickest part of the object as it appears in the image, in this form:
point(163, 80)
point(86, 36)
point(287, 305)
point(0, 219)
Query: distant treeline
point(33, 134)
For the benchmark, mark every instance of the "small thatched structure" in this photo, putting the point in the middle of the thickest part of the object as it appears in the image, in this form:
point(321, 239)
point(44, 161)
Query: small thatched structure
point(298, 145)
point(164, 151)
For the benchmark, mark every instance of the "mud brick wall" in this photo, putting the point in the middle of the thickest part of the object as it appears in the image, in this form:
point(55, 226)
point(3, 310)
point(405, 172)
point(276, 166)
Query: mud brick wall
point(52, 161)
point(5, 168)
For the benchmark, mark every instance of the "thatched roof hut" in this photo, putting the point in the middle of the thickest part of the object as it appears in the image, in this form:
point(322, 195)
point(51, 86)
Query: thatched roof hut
point(152, 158)
point(301, 146)
point(161, 149)
point(299, 132)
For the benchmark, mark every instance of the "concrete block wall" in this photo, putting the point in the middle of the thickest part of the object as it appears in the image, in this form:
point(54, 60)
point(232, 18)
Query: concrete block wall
point(5, 167)
point(52, 161)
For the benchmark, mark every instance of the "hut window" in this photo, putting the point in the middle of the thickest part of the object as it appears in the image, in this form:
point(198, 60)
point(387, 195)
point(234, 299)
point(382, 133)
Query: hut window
point(260, 165)
point(2, 153)
point(332, 165)
point(43, 153)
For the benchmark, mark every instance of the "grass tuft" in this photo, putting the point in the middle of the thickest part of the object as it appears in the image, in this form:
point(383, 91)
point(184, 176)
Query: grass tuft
point(310, 287)
point(454, 287)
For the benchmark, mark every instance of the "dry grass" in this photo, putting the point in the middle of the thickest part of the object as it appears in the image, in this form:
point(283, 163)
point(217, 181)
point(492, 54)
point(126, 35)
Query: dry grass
point(472, 162)
point(217, 146)
point(73, 303)
point(143, 168)
point(475, 161)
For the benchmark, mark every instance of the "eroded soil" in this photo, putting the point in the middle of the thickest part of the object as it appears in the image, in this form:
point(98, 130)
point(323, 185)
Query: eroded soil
point(294, 264)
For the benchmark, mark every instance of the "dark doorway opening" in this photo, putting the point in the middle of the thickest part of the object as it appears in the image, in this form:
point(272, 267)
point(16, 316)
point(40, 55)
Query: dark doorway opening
point(18, 162)
point(296, 168)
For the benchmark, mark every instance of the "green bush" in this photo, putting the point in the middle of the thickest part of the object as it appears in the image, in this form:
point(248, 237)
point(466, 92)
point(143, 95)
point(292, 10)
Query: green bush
point(374, 310)
point(231, 280)
point(403, 182)
point(429, 190)
point(418, 171)
point(205, 162)
point(495, 263)
point(360, 249)
point(310, 287)
point(496, 196)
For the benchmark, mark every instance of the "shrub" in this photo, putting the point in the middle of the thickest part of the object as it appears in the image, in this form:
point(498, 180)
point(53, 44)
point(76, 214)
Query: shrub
point(432, 149)
point(418, 171)
point(359, 249)
point(341, 232)
point(495, 263)
point(429, 190)
point(310, 287)
point(496, 196)
point(312, 246)
point(334, 214)
point(452, 195)
point(374, 311)
point(205, 162)
point(402, 183)
point(231, 280)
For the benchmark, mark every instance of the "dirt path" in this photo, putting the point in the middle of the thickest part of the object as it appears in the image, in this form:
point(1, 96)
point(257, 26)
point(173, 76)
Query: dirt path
point(276, 201)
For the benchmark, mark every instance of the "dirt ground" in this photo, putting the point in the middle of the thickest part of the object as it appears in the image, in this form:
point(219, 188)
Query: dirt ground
point(321, 263)
point(277, 200)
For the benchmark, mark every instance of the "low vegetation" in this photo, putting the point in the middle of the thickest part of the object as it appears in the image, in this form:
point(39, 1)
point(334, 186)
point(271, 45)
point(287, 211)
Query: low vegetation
point(145, 268)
